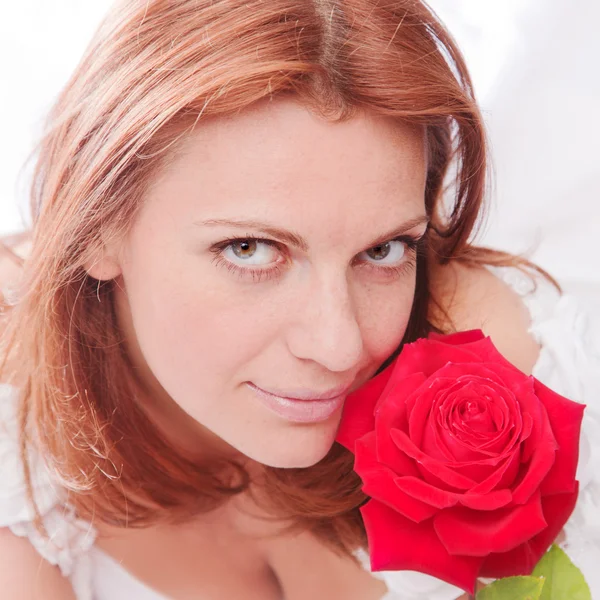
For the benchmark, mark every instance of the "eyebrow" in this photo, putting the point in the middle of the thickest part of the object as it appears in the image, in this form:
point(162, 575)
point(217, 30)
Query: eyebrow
point(294, 239)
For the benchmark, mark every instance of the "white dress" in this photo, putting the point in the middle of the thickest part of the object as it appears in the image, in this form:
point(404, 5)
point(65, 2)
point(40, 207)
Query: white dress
point(569, 363)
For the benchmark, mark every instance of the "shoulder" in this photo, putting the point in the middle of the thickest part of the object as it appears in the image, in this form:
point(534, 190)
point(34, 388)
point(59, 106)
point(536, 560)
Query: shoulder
point(473, 297)
point(27, 576)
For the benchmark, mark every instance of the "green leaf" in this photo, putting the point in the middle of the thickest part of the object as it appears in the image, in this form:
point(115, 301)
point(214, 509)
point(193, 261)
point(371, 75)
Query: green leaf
point(564, 581)
point(513, 588)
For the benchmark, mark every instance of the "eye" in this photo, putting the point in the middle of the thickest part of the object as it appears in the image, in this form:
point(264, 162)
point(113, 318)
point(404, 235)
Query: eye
point(262, 259)
point(250, 251)
point(248, 257)
point(394, 252)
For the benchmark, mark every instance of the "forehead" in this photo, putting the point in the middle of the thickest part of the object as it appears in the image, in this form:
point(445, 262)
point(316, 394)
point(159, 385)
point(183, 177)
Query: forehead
point(278, 157)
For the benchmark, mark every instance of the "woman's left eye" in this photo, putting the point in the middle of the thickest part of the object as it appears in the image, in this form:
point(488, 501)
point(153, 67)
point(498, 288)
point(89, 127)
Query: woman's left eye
point(389, 253)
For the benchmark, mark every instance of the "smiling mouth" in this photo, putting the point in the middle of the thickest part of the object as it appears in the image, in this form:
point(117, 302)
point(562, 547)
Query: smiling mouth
point(299, 410)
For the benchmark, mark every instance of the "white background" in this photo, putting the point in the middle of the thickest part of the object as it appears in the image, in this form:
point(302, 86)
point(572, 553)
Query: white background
point(535, 66)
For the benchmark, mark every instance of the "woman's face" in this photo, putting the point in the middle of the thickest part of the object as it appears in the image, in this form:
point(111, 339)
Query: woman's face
point(313, 306)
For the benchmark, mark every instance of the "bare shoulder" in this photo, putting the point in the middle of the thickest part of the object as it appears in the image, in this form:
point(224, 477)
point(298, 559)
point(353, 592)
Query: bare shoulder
point(25, 575)
point(474, 298)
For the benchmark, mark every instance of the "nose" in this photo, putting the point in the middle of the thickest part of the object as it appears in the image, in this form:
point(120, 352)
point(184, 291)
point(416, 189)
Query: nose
point(325, 328)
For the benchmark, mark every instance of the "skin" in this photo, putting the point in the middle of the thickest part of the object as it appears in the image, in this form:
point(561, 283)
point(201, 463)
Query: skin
point(331, 315)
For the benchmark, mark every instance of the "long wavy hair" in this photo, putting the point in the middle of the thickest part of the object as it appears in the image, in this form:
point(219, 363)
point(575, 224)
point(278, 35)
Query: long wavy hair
point(154, 70)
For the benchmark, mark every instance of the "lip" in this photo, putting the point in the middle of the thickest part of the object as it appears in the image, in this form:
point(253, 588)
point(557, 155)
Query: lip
point(298, 409)
point(306, 394)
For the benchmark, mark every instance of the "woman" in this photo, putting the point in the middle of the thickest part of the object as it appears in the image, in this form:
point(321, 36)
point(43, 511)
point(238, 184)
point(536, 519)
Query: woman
point(238, 220)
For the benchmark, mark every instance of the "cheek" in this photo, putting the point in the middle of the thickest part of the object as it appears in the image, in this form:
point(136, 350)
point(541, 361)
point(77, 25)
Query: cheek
point(194, 335)
point(196, 328)
point(384, 317)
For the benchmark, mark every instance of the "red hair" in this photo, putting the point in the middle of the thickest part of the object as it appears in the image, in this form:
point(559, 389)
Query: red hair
point(152, 71)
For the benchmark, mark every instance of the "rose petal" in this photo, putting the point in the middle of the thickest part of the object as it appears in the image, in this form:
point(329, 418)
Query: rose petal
point(396, 543)
point(454, 371)
point(430, 465)
point(400, 368)
point(427, 493)
point(543, 456)
point(450, 377)
point(488, 353)
point(398, 393)
point(517, 425)
point(378, 482)
point(358, 414)
point(482, 471)
point(490, 501)
point(419, 406)
point(521, 560)
point(565, 419)
point(460, 432)
point(434, 443)
point(496, 471)
point(428, 357)
point(441, 499)
point(557, 511)
point(471, 533)
point(459, 338)
point(472, 406)
point(485, 349)
point(391, 414)
point(503, 476)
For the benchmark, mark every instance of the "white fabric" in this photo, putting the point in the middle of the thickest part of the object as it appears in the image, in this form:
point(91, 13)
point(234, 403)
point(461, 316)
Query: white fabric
point(569, 363)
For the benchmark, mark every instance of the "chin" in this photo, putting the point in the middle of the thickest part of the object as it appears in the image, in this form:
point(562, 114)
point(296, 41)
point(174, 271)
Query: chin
point(296, 449)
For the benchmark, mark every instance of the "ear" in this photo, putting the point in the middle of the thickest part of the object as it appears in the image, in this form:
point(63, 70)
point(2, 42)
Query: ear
point(104, 263)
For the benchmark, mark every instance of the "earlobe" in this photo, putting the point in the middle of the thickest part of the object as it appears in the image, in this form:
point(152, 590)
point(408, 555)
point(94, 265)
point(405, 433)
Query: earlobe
point(104, 266)
point(103, 269)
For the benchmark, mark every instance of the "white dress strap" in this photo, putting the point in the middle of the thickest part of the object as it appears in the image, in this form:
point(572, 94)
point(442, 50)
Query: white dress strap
point(68, 539)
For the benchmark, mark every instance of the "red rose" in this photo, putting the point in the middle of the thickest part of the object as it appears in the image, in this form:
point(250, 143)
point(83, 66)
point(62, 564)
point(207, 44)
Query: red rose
point(469, 463)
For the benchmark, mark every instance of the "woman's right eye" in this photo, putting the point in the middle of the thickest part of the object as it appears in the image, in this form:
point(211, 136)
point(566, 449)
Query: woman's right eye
point(246, 257)
point(250, 251)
